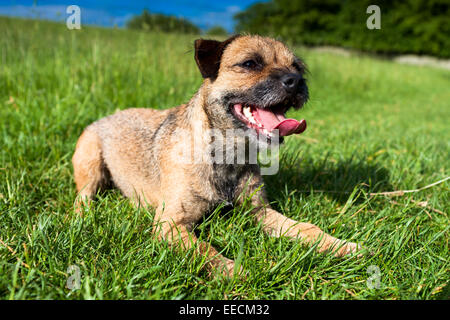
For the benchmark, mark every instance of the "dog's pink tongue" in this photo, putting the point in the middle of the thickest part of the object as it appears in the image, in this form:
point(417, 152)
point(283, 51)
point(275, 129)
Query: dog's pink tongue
point(276, 120)
point(290, 126)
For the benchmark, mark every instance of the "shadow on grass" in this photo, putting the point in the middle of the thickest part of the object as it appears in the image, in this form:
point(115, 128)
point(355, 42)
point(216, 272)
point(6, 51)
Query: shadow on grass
point(444, 294)
point(335, 179)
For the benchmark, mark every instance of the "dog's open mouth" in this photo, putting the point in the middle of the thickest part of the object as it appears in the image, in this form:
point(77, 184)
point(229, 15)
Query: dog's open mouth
point(266, 120)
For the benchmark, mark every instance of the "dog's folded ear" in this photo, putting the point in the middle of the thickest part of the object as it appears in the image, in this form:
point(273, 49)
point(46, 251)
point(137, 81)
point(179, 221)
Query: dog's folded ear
point(208, 54)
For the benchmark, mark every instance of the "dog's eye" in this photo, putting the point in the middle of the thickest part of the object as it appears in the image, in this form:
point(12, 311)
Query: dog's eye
point(250, 64)
point(297, 67)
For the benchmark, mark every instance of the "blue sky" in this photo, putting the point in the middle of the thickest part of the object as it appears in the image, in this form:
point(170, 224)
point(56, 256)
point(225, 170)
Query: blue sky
point(203, 13)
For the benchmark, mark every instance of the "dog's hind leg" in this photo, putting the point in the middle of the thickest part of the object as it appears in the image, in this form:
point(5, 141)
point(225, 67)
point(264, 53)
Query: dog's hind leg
point(89, 169)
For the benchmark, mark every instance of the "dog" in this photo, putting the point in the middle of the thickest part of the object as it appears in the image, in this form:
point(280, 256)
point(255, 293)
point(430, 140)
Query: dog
point(249, 82)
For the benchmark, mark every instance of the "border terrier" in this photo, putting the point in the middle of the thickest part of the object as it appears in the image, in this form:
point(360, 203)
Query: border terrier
point(249, 82)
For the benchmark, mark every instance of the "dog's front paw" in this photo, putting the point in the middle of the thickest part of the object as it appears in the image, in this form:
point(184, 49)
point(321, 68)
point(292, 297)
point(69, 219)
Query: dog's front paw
point(226, 268)
point(349, 248)
point(81, 205)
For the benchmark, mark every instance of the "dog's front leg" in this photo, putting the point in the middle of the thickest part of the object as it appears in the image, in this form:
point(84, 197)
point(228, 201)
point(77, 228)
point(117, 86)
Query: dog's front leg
point(278, 225)
point(176, 232)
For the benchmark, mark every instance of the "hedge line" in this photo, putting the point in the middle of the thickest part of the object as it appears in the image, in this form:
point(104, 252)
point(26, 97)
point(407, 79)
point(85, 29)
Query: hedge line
point(410, 26)
point(161, 23)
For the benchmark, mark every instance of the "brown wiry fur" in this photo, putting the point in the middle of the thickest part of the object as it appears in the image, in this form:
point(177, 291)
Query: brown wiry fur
point(135, 149)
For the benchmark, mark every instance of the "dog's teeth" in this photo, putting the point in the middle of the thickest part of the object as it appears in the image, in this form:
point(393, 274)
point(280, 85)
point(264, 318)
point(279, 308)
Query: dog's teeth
point(247, 112)
point(248, 115)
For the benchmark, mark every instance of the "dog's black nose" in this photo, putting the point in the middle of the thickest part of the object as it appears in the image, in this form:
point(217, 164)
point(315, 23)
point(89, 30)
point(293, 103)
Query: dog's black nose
point(290, 82)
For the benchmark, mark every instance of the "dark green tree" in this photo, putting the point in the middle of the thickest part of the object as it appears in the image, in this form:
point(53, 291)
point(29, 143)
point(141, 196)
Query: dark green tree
point(409, 26)
point(216, 31)
point(161, 23)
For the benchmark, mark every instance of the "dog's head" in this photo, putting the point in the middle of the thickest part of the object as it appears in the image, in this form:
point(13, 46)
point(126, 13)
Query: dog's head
point(252, 81)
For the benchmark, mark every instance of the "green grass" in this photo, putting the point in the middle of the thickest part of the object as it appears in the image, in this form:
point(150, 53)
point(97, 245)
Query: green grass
point(373, 126)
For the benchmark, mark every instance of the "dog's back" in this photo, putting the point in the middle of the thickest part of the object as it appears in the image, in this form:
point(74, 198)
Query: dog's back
point(121, 149)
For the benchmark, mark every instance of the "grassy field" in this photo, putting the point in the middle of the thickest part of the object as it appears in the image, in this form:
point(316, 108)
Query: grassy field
point(373, 126)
